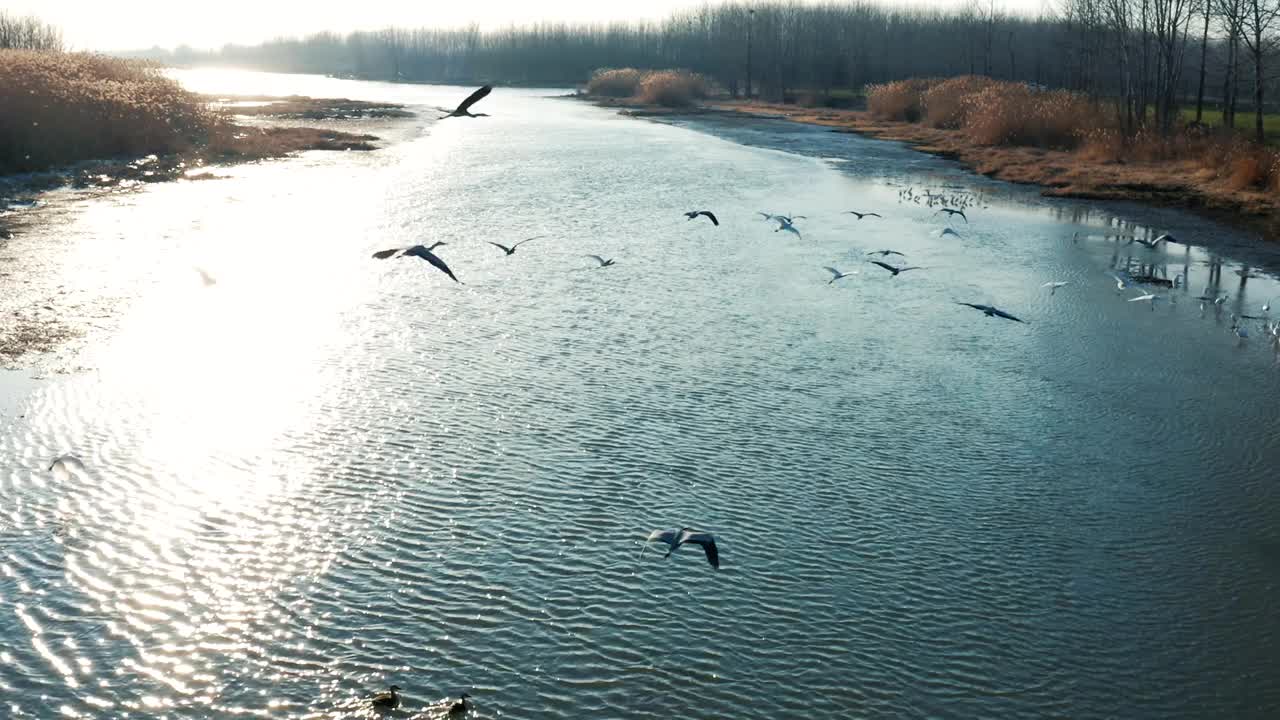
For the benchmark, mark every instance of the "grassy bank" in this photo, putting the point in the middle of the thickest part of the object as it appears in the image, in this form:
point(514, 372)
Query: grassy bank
point(1062, 142)
point(63, 109)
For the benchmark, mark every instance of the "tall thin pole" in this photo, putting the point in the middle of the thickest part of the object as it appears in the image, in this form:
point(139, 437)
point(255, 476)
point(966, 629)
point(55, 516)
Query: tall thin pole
point(751, 16)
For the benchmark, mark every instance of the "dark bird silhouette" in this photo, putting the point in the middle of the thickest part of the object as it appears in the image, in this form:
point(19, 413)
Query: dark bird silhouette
point(949, 231)
point(460, 707)
point(388, 699)
point(464, 109)
point(693, 214)
point(885, 253)
point(676, 538)
point(512, 250)
point(603, 263)
point(953, 213)
point(892, 269)
point(991, 311)
point(863, 215)
point(422, 252)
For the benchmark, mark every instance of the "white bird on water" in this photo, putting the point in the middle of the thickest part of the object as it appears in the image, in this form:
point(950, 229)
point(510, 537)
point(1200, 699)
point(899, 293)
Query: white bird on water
point(676, 538)
point(1054, 285)
point(69, 464)
point(1146, 296)
point(836, 274)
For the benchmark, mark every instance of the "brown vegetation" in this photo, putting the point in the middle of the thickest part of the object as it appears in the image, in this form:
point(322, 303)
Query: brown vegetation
point(300, 107)
point(67, 109)
point(64, 108)
point(1225, 176)
point(668, 88)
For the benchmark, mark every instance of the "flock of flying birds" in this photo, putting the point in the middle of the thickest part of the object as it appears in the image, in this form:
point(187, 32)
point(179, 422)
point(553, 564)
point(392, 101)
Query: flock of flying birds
point(674, 539)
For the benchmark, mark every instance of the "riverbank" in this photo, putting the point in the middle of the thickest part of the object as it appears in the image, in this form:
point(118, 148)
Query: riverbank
point(1184, 184)
point(1180, 183)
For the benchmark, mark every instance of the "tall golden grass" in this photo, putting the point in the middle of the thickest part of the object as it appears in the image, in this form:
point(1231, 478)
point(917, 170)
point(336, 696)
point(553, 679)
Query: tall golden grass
point(615, 82)
point(899, 100)
point(669, 88)
point(60, 109)
point(998, 113)
point(944, 103)
point(990, 112)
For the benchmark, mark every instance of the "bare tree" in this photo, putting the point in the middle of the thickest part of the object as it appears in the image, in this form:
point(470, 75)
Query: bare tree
point(1259, 22)
point(27, 33)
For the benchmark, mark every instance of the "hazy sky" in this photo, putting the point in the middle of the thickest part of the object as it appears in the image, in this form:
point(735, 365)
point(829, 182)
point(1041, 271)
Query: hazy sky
point(128, 24)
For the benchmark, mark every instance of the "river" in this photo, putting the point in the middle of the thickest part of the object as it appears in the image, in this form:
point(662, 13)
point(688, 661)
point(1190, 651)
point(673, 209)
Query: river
point(323, 474)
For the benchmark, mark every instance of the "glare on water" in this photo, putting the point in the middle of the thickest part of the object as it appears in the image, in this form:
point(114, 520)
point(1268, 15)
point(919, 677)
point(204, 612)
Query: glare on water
point(310, 474)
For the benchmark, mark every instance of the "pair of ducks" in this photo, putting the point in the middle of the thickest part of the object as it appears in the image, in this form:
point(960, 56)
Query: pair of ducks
point(390, 700)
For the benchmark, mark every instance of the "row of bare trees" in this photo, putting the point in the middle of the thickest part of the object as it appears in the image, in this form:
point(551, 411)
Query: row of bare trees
point(27, 33)
point(1154, 47)
point(1144, 54)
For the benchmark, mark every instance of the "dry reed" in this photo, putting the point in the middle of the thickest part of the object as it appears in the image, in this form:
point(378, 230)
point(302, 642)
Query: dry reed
point(64, 108)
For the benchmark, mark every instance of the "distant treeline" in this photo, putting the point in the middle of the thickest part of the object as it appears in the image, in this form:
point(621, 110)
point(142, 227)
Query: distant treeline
point(27, 33)
point(1147, 53)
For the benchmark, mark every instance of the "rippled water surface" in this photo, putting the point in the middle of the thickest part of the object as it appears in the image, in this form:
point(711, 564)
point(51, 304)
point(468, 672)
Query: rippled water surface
point(324, 473)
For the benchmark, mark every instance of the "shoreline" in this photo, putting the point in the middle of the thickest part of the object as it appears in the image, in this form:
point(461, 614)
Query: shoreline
point(1061, 174)
point(263, 128)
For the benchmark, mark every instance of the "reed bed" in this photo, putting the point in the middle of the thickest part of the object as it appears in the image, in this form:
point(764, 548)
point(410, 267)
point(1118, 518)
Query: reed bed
point(668, 88)
point(62, 108)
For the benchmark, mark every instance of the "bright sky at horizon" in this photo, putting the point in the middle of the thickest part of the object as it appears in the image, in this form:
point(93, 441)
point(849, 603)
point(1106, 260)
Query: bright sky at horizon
point(138, 24)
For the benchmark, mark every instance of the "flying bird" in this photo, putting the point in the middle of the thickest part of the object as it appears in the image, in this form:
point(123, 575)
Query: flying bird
point(894, 270)
point(836, 274)
point(388, 699)
point(1054, 285)
point(464, 109)
point(602, 261)
point(863, 215)
point(422, 252)
point(949, 231)
point(69, 464)
point(693, 214)
point(676, 538)
point(785, 224)
point(952, 213)
point(885, 253)
point(512, 250)
point(1146, 296)
point(990, 311)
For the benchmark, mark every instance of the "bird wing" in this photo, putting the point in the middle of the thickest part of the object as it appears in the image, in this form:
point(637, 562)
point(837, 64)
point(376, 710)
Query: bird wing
point(909, 267)
point(425, 254)
point(1004, 315)
point(472, 99)
point(664, 536)
point(872, 215)
point(504, 248)
point(535, 237)
point(961, 214)
point(885, 265)
point(975, 307)
point(708, 543)
point(597, 258)
point(835, 274)
point(712, 216)
point(766, 215)
point(384, 254)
